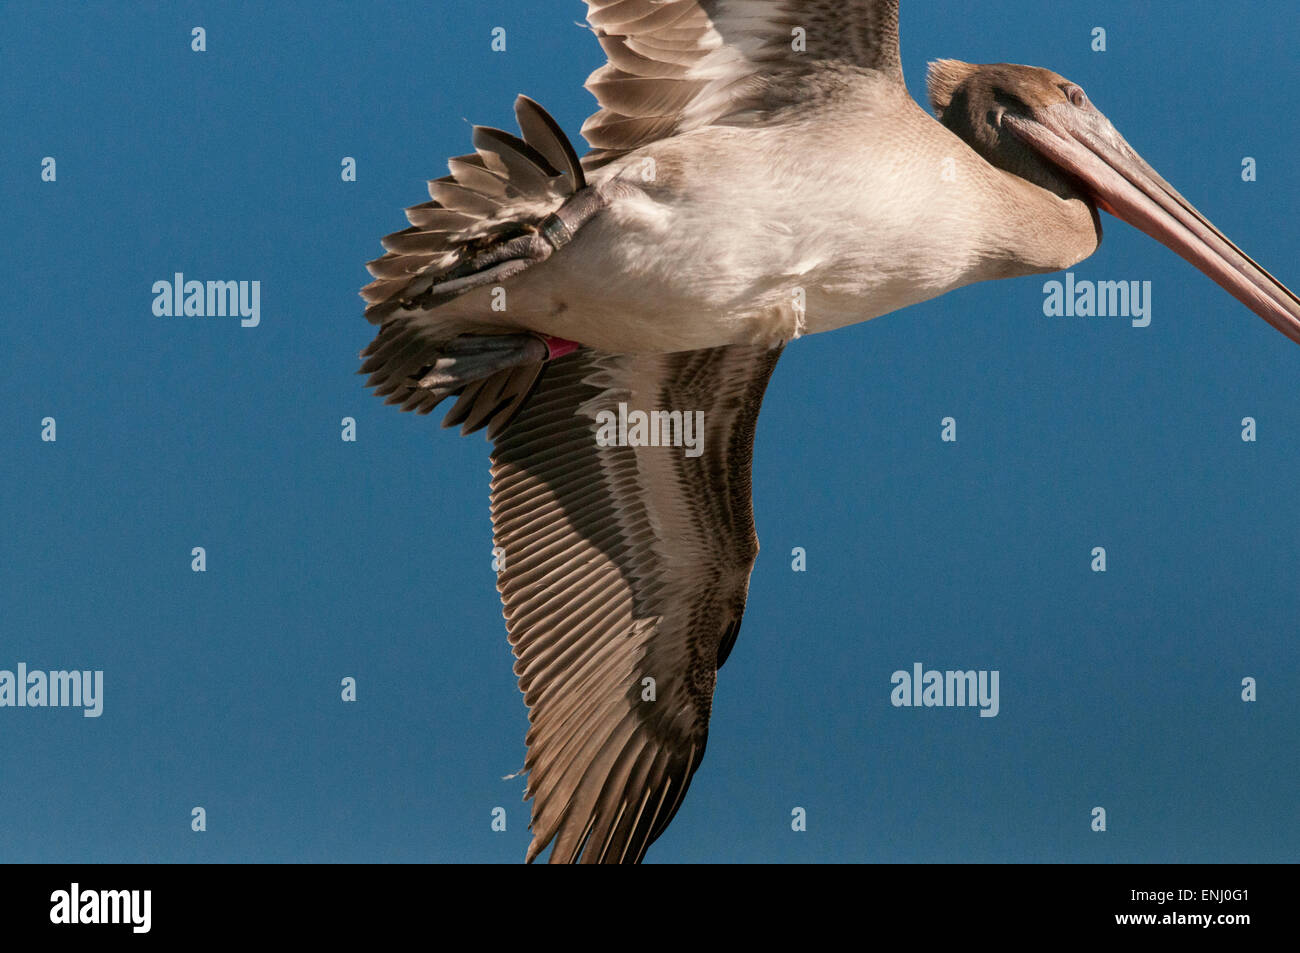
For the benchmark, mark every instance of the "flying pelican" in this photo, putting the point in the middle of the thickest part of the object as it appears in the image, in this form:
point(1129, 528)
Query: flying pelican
point(758, 172)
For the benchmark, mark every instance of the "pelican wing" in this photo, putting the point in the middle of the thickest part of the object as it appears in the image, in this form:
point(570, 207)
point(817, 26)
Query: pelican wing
point(625, 575)
point(676, 65)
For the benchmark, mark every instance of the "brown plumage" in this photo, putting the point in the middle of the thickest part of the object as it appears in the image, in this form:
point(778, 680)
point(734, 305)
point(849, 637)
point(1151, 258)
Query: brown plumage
point(501, 191)
point(623, 563)
point(651, 88)
point(743, 151)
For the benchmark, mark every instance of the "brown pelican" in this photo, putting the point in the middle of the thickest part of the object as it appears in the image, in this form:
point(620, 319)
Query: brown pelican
point(758, 172)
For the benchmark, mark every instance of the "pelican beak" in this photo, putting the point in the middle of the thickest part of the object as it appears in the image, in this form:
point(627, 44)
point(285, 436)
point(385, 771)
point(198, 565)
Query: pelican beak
point(1082, 142)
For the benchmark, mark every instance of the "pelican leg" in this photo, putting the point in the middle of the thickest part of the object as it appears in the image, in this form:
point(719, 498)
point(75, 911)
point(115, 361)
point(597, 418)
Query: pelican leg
point(472, 357)
point(558, 347)
point(506, 259)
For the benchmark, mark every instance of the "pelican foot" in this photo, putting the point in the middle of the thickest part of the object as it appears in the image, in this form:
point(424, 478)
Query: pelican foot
point(472, 357)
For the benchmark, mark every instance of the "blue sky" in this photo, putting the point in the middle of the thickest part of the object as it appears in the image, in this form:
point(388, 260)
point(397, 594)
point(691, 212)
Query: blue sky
point(372, 559)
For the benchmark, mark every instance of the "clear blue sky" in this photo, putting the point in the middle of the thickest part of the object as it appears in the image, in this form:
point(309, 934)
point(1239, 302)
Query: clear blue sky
point(372, 559)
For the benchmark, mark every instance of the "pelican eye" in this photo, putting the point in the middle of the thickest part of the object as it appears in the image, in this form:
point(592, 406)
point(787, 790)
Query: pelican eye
point(1077, 96)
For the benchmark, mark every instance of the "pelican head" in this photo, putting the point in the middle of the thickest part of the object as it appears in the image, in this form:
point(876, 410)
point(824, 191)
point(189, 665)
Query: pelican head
point(1039, 126)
